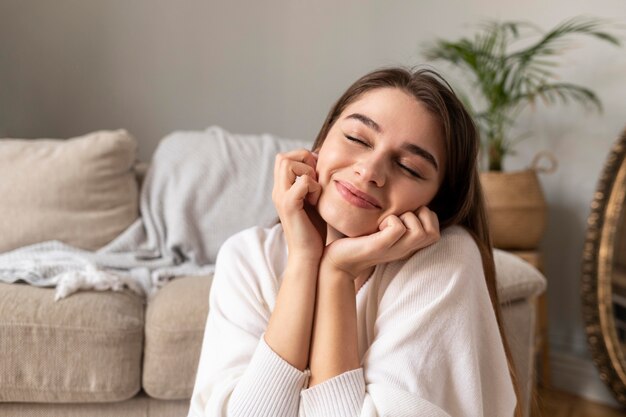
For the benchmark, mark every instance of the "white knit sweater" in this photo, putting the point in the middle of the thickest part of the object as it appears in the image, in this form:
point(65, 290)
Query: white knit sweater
point(428, 339)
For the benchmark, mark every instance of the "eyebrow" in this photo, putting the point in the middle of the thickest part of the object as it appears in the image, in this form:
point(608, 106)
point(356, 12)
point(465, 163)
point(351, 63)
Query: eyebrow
point(419, 151)
point(411, 147)
point(366, 121)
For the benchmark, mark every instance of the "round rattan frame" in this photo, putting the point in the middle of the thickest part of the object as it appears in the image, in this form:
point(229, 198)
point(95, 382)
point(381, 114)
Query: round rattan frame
point(598, 253)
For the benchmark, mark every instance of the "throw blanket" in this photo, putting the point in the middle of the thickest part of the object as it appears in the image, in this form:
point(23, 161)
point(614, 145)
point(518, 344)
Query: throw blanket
point(201, 188)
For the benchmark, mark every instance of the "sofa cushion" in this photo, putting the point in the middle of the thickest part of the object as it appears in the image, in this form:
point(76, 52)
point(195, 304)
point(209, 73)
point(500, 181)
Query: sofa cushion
point(81, 191)
point(517, 279)
point(86, 348)
point(175, 321)
point(518, 319)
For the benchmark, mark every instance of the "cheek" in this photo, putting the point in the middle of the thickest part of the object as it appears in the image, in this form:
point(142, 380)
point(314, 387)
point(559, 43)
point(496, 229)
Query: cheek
point(320, 170)
point(329, 160)
point(410, 197)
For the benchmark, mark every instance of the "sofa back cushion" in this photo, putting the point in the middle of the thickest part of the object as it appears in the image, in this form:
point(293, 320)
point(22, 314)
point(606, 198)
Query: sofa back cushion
point(81, 191)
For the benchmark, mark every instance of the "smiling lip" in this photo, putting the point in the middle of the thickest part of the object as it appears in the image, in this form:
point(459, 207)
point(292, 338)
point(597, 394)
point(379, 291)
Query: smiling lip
point(355, 196)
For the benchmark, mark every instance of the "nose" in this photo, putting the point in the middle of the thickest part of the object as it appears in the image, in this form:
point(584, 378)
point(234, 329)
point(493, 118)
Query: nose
point(371, 169)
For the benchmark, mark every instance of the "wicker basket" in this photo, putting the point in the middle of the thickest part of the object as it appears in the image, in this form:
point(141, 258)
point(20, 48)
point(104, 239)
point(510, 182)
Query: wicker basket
point(516, 208)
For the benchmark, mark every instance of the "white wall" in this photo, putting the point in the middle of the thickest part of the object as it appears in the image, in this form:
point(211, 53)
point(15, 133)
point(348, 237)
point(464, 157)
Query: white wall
point(71, 66)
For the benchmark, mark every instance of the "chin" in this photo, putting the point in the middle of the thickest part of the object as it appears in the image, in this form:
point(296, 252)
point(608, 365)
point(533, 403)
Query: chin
point(347, 223)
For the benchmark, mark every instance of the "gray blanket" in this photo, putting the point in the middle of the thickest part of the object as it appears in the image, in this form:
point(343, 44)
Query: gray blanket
point(201, 188)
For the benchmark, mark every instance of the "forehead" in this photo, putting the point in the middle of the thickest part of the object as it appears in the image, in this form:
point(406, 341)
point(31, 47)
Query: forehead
point(398, 113)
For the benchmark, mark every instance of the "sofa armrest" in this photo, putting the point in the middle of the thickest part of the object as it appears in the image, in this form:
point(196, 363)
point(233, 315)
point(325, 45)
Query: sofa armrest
point(516, 278)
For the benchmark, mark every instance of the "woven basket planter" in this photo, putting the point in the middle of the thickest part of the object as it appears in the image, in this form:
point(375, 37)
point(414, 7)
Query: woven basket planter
point(516, 208)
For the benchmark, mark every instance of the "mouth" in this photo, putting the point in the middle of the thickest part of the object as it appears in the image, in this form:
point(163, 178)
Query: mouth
point(356, 197)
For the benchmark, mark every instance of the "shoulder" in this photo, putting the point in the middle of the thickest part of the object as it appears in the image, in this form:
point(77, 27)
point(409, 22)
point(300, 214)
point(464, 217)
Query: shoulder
point(455, 250)
point(451, 268)
point(257, 240)
point(457, 244)
point(252, 258)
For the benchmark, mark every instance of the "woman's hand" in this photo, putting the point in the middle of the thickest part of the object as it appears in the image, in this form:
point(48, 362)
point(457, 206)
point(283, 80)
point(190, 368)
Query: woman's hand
point(397, 238)
point(295, 195)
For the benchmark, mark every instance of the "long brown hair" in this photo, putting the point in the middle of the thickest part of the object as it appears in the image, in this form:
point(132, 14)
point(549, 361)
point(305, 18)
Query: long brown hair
point(459, 200)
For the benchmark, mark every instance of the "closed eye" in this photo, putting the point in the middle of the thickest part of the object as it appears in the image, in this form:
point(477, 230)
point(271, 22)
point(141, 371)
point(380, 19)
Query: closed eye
point(353, 139)
point(410, 171)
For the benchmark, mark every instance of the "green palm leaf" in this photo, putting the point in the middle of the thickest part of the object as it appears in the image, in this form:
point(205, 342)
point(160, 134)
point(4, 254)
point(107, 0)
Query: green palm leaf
point(509, 80)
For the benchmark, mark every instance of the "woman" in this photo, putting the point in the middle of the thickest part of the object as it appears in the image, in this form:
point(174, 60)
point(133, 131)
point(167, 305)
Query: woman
point(375, 294)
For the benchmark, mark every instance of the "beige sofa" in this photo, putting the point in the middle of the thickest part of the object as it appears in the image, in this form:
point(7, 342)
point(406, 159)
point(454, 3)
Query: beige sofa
point(104, 353)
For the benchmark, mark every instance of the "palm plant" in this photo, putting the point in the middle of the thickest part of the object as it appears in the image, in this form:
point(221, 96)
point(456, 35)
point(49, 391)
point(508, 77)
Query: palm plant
point(509, 79)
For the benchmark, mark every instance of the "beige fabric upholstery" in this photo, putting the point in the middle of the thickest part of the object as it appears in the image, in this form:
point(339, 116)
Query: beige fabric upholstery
point(519, 327)
point(175, 321)
point(81, 191)
point(518, 318)
point(516, 278)
point(139, 406)
point(86, 348)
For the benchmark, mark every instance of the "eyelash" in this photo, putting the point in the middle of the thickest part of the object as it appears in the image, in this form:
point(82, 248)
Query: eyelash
point(404, 167)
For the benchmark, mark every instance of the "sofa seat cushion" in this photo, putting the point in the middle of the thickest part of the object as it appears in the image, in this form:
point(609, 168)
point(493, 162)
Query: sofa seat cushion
point(64, 190)
point(175, 321)
point(85, 348)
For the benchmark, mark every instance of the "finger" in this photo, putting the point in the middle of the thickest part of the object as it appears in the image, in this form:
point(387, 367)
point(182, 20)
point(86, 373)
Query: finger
point(306, 156)
point(289, 170)
point(295, 195)
point(374, 248)
point(301, 188)
point(412, 223)
point(417, 236)
point(391, 230)
point(312, 187)
point(301, 155)
point(315, 190)
point(430, 223)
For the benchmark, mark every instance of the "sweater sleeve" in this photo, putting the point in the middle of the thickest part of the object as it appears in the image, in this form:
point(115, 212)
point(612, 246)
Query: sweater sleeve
point(433, 345)
point(238, 373)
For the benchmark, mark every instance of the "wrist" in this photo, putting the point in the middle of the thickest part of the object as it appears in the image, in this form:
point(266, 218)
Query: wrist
point(330, 270)
point(304, 259)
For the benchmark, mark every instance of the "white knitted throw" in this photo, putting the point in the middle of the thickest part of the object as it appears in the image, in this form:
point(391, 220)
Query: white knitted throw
point(201, 188)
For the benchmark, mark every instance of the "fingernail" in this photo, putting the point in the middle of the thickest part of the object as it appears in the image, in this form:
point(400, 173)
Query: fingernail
point(315, 154)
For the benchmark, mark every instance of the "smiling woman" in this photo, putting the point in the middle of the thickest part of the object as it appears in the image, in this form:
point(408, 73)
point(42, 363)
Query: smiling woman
point(375, 294)
point(367, 159)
